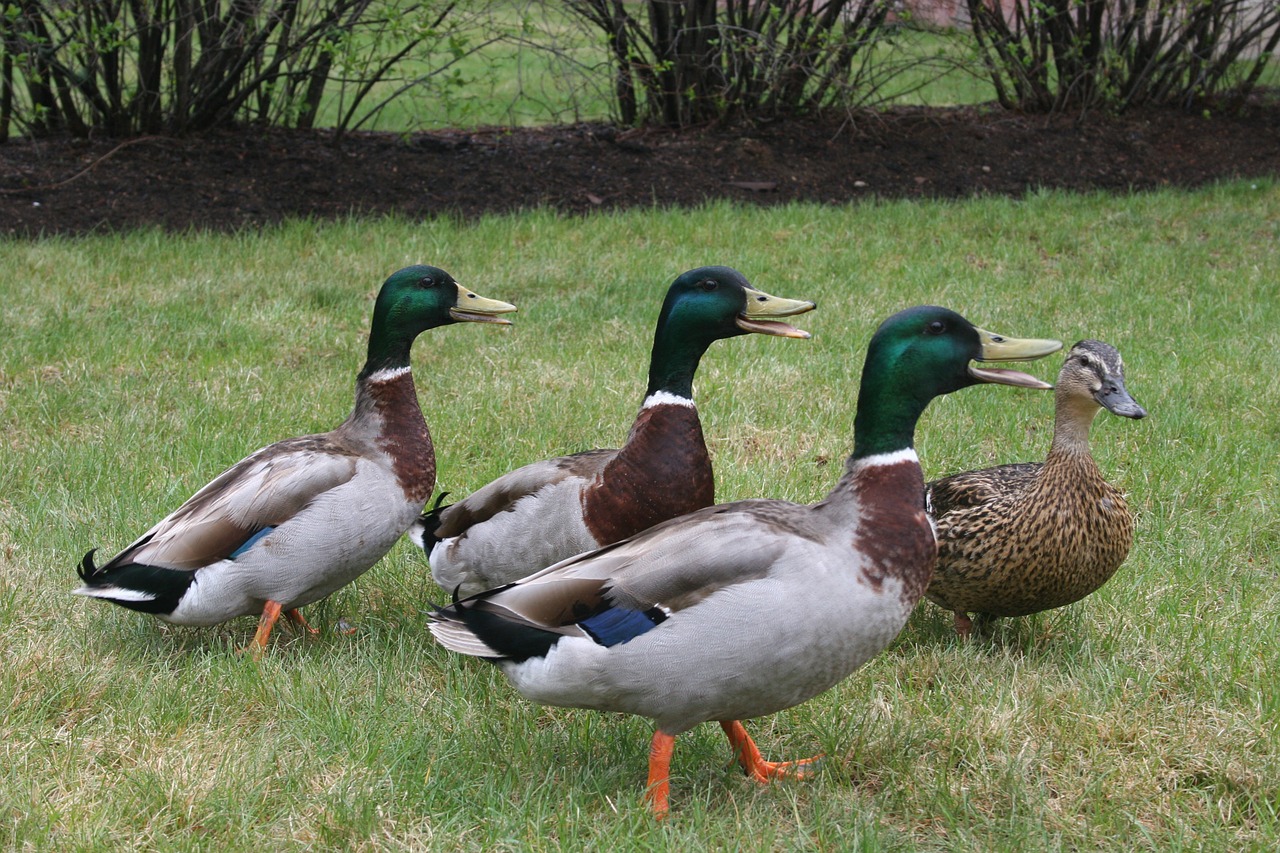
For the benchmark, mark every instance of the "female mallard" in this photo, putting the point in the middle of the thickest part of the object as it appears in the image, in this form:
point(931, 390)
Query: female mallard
point(301, 518)
point(743, 609)
point(547, 511)
point(1018, 539)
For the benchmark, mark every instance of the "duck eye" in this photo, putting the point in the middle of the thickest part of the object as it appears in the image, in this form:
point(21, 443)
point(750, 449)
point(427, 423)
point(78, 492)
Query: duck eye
point(708, 284)
point(426, 281)
point(1083, 361)
point(937, 327)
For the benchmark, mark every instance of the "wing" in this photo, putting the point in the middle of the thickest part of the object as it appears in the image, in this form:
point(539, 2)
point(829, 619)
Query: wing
point(263, 490)
point(975, 488)
point(669, 567)
point(501, 494)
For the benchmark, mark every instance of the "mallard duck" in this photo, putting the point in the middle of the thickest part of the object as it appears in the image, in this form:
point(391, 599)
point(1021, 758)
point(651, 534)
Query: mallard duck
point(1021, 538)
point(297, 520)
point(743, 609)
point(547, 511)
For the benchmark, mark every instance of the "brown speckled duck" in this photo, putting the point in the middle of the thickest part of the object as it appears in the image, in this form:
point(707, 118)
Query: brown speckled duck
point(1018, 539)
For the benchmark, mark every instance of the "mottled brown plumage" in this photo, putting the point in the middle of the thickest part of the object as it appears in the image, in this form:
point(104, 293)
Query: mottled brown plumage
point(1018, 539)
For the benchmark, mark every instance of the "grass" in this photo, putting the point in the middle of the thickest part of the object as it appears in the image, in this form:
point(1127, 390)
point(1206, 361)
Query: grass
point(134, 369)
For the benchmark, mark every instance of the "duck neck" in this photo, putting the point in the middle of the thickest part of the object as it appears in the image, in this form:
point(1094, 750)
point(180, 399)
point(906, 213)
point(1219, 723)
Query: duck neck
point(880, 497)
point(387, 414)
point(387, 417)
point(880, 501)
point(1071, 425)
point(662, 471)
point(674, 360)
point(886, 417)
point(387, 352)
point(883, 435)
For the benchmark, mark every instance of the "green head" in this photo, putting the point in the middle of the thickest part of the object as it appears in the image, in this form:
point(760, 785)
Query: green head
point(922, 353)
point(418, 298)
point(704, 305)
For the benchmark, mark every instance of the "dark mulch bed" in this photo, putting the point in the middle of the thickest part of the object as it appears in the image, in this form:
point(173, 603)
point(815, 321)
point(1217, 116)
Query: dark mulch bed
point(232, 180)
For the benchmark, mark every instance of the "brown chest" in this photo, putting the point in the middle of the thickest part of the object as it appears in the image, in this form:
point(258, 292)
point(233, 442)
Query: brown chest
point(404, 437)
point(662, 471)
point(894, 537)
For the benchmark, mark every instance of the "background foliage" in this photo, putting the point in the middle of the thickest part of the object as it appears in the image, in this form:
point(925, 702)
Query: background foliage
point(1046, 55)
point(679, 62)
point(127, 67)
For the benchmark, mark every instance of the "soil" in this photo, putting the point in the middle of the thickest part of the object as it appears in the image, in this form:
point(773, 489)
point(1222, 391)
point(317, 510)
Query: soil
point(248, 178)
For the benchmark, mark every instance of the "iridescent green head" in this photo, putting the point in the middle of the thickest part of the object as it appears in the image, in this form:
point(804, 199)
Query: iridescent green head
point(704, 305)
point(418, 298)
point(922, 353)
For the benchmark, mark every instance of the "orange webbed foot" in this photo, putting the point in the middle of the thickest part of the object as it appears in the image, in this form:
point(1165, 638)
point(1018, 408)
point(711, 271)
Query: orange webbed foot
point(754, 765)
point(295, 618)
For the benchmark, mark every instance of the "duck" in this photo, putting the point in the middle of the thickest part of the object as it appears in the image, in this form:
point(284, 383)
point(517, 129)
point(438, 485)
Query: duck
point(295, 521)
point(1021, 538)
point(546, 511)
point(743, 609)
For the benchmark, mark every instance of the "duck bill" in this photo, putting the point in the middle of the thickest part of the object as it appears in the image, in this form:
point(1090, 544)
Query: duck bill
point(1114, 397)
point(1001, 348)
point(762, 309)
point(474, 308)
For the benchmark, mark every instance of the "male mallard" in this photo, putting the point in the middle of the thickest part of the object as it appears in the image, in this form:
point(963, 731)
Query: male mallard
point(1017, 539)
point(743, 609)
point(547, 511)
point(297, 520)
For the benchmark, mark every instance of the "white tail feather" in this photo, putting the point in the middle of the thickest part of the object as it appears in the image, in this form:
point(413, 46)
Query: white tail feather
point(458, 638)
point(114, 593)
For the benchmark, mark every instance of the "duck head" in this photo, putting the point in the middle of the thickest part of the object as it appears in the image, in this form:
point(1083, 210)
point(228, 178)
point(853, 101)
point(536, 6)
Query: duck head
point(418, 298)
point(925, 352)
point(1094, 371)
point(705, 305)
point(710, 303)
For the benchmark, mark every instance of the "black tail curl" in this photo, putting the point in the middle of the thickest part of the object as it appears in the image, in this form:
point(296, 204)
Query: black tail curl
point(430, 522)
point(87, 571)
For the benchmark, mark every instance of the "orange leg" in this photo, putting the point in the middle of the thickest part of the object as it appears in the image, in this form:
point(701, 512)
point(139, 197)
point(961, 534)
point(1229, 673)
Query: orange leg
point(266, 622)
point(660, 772)
point(756, 767)
point(964, 624)
point(295, 617)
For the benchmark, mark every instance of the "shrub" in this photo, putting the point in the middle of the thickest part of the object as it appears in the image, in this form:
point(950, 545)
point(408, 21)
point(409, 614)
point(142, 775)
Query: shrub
point(681, 62)
point(124, 67)
point(1046, 55)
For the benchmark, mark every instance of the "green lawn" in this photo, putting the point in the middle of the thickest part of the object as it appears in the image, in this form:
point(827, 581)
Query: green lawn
point(133, 369)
